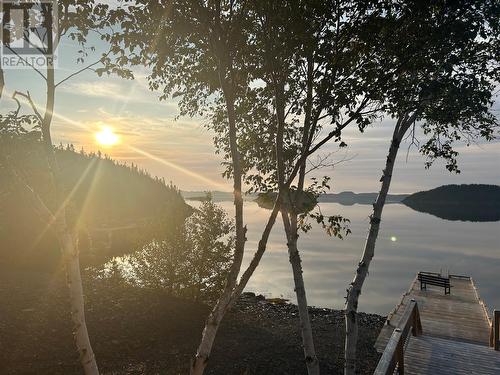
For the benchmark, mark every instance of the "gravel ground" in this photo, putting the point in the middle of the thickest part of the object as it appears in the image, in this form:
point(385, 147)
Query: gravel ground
point(139, 331)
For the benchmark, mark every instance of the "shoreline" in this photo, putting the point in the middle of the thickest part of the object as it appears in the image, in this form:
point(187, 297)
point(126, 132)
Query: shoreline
point(143, 331)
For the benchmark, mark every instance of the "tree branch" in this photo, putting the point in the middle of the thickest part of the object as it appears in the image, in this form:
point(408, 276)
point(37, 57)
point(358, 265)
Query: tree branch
point(35, 200)
point(83, 69)
point(27, 96)
point(323, 161)
point(26, 61)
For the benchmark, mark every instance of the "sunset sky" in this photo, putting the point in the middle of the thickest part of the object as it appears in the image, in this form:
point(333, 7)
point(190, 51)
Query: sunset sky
point(181, 150)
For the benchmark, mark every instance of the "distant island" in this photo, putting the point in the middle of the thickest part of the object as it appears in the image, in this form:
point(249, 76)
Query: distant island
point(474, 202)
point(346, 198)
point(217, 196)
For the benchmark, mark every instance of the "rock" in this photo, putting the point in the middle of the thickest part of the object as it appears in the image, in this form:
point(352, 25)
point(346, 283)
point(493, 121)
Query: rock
point(260, 297)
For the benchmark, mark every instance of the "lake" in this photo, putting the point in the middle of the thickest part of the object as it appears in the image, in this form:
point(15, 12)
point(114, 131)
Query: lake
point(409, 241)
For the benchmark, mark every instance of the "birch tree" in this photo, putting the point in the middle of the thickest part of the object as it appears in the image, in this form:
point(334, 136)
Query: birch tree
point(316, 73)
point(253, 75)
point(202, 53)
point(74, 22)
point(443, 59)
point(278, 45)
point(195, 51)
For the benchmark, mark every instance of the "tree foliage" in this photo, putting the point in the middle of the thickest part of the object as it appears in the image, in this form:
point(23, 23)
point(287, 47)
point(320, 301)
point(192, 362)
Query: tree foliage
point(442, 60)
point(193, 262)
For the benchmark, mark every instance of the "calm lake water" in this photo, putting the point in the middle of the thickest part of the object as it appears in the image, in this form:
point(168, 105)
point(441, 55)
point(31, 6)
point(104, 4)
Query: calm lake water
point(409, 242)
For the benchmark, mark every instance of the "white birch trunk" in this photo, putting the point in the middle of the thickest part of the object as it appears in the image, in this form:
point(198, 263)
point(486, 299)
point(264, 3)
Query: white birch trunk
point(209, 332)
point(227, 300)
point(224, 303)
point(261, 248)
point(74, 280)
point(356, 285)
point(311, 359)
point(66, 240)
point(69, 251)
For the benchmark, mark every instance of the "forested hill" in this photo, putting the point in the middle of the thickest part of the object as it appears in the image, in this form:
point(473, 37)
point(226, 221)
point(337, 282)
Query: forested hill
point(474, 202)
point(115, 207)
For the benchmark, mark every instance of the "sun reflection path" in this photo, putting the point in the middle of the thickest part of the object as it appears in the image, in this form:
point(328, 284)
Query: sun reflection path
point(63, 205)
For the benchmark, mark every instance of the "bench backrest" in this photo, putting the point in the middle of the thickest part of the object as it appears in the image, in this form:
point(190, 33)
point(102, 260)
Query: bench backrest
point(433, 279)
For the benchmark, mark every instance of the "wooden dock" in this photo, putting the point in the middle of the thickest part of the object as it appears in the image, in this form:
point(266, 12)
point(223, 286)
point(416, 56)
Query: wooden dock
point(455, 332)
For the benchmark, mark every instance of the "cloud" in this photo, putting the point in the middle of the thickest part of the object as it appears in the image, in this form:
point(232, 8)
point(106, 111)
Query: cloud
point(120, 92)
point(97, 88)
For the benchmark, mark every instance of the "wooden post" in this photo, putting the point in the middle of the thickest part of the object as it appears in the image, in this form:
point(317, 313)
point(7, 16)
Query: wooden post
point(417, 323)
point(496, 329)
point(492, 338)
point(401, 357)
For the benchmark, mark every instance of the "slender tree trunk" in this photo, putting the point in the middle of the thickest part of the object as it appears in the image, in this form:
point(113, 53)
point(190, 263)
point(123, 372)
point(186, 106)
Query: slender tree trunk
point(245, 277)
point(74, 279)
point(70, 254)
point(356, 285)
point(231, 291)
point(217, 314)
point(290, 224)
point(223, 304)
point(67, 241)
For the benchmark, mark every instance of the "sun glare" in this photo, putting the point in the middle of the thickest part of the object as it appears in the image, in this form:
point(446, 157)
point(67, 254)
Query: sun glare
point(106, 137)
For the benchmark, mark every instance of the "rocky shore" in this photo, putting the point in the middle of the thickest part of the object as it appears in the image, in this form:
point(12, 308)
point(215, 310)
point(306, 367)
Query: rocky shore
point(140, 331)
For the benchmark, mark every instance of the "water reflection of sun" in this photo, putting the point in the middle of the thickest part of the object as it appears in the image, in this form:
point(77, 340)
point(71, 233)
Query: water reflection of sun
point(106, 137)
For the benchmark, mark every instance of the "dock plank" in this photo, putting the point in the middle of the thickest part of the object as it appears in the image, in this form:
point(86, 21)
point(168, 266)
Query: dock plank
point(432, 355)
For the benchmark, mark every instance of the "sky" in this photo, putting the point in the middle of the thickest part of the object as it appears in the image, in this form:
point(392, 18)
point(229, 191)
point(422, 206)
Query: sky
point(181, 149)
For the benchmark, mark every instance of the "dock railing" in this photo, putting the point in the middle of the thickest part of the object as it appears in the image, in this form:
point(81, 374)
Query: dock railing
point(493, 322)
point(393, 355)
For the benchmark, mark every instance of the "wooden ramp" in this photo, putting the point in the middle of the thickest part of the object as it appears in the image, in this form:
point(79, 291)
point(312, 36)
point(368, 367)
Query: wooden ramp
point(455, 331)
point(433, 355)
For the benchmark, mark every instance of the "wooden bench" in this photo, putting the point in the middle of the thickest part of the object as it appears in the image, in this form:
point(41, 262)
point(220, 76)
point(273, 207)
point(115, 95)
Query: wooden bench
point(434, 279)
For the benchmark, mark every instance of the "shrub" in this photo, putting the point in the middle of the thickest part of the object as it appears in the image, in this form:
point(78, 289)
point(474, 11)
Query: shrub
point(192, 263)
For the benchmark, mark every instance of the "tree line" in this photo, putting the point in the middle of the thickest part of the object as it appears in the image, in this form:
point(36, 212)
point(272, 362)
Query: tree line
point(102, 195)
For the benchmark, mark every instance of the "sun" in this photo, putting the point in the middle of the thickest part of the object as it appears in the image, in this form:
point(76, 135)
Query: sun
point(106, 137)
